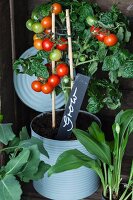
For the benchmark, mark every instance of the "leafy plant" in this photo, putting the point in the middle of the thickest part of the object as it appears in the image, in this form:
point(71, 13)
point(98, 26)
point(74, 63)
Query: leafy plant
point(91, 55)
point(108, 161)
point(23, 161)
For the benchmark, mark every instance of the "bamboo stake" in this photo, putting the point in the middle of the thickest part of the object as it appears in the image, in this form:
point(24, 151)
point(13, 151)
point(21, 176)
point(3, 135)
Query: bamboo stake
point(70, 56)
point(53, 71)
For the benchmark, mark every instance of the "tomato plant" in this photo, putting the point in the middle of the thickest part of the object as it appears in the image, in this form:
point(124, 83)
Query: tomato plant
point(55, 55)
point(38, 44)
point(91, 20)
point(47, 44)
point(56, 8)
point(54, 80)
point(37, 27)
point(62, 69)
point(110, 40)
point(46, 88)
point(29, 24)
point(46, 22)
point(62, 44)
point(36, 86)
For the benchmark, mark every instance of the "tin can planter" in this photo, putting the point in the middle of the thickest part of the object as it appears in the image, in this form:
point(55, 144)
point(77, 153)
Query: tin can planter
point(70, 185)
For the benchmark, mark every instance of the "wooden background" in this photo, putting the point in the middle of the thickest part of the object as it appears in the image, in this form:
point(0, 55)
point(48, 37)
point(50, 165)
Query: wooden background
point(11, 106)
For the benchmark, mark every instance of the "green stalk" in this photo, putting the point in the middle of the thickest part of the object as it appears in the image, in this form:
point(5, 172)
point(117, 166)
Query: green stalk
point(8, 148)
point(88, 61)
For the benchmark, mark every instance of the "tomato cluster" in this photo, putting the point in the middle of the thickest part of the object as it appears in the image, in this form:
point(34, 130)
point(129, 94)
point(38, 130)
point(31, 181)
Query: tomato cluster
point(47, 86)
point(105, 36)
point(43, 41)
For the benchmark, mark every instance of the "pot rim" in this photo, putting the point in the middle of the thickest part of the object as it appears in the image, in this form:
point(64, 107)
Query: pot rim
point(61, 141)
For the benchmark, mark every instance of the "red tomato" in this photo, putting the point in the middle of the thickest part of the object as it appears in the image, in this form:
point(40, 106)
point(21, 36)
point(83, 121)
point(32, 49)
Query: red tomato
point(38, 44)
point(63, 44)
point(62, 69)
point(110, 40)
point(101, 35)
point(47, 88)
point(47, 22)
point(56, 8)
point(47, 44)
point(36, 86)
point(94, 30)
point(47, 31)
point(54, 80)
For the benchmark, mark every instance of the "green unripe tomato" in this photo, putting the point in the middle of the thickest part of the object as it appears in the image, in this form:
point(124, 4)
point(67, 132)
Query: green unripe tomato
point(29, 24)
point(91, 20)
point(37, 27)
point(65, 79)
point(55, 55)
point(82, 58)
point(75, 55)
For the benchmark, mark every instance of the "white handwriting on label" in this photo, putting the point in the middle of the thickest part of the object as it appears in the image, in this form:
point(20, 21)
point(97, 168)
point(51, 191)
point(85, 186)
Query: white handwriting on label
point(68, 116)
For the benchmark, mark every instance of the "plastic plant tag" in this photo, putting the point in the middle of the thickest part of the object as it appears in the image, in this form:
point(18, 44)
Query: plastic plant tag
point(73, 106)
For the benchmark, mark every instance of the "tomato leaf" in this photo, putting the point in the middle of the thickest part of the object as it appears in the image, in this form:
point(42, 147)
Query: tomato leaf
point(6, 133)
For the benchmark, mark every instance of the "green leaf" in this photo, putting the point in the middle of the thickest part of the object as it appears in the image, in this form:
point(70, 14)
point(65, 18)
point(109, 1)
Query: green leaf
point(100, 150)
point(31, 167)
point(94, 105)
point(10, 188)
point(34, 141)
point(126, 70)
point(102, 51)
point(68, 160)
point(15, 164)
point(85, 11)
point(40, 11)
point(127, 35)
point(111, 63)
point(6, 133)
point(120, 34)
point(42, 169)
point(24, 134)
point(92, 68)
point(96, 132)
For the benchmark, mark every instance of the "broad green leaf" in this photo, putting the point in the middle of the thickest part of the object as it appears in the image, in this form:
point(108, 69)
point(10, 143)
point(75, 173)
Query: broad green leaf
point(112, 63)
point(33, 141)
point(71, 159)
point(42, 169)
point(94, 105)
point(15, 164)
point(32, 165)
point(10, 188)
point(6, 133)
point(24, 134)
point(96, 132)
point(120, 34)
point(127, 35)
point(100, 150)
point(92, 68)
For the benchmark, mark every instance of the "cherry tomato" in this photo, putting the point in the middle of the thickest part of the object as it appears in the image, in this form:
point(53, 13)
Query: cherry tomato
point(110, 40)
point(37, 27)
point(47, 88)
point(47, 44)
point(29, 24)
point(91, 20)
point(63, 44)
point(75, 55)
point(54, 80)
point(62, 69)
point(56, 8)
point(36, 86)
point(82, 58)
point(101, 35)
point(47, 22)
point(94, 30)
point(38, 44)
point(47, 31)
point(55, 55)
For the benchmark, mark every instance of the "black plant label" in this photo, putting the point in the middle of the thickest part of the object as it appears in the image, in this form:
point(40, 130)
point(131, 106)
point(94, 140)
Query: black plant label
point(73, 106)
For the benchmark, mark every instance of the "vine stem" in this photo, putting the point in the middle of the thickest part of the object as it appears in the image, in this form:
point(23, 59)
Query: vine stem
point(88, 61)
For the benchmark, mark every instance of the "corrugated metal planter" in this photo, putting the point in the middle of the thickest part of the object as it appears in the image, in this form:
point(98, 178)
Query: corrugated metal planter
point(70, 185)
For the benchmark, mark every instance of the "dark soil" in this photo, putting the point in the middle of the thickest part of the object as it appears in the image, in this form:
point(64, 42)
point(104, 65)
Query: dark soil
point(42, 124)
